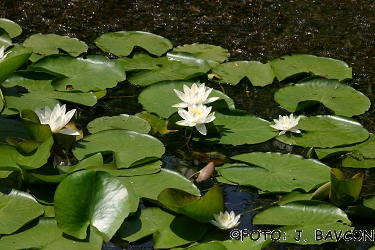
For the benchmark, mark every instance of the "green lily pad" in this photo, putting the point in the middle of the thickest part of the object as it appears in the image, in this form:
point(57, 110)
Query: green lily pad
point(199, 208)
point(11, 128)
point(295, 195)
point(275, 172)
point(40, 93)
point(303, 221)
point(364, 149)
point(326, 132)
point(157, 124)
point(12, 28)
point(35, 130)
point(174, 66)
point(50, 44)
point(297, 64)
point(246, 243)
point(258, 73)
point(121, 43)
point(79, 74)
point(344, 192)
point(16, 209)
point(150, 186)
point(239, 130)
point(45, 234)
point(91, 198)
point(357, 161)
point(365, 207)
point(338, 97)
point(122, 121)
point(167, 97)
point(211, 53)
point(128, 147)
point(5, 39)
point(17, 56)
point(167, 230)
point(13, 159)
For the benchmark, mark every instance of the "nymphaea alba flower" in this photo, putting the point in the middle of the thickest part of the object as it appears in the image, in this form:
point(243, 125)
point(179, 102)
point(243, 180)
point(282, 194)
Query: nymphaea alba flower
point(57, 119)
point(2, 55)
point(286, 124)
point(226, 220)
point(196, 116)
point(195, 95)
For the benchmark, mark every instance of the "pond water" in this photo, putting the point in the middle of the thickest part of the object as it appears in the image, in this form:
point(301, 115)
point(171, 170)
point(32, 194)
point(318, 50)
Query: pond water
point(254, 30)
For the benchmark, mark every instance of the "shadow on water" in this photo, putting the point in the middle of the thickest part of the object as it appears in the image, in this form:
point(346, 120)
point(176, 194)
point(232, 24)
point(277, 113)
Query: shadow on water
point(251, 30)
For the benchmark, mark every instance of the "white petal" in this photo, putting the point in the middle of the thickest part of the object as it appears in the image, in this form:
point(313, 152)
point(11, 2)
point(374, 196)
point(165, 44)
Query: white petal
point(68, 131)
point(294, 130)
point(181, 95)
point(180, 105)
point(201, 128)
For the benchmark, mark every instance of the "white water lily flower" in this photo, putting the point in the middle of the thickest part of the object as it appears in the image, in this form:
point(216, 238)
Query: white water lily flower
point(196, 116)
point(285, 124)
point(57, 119)
point(195, 95)
point(226, 220)
point(2, 55)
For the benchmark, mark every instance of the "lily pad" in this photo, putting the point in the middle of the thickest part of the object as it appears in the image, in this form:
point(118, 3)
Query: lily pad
point(275, 172)
point(5, 39)
point(150, 186)
point(239, 130)
point(166, 97)
point(122, 43)
point(364, 149)
point(13, 159)
point(297, 64)
point(128, 147)
point(326, 132)
point(50, 44)
point(91, 198)
point(11, 128)
point(211, 53)
point(306, 222)
point(338, 97)
point(199, 208)
point(16, 209)
point(17, 56)
point(258, 73)
point(40, 93)
point(167, 230)
point(122, 121)
point(79, 74)
point(174, 66)
point(44, 234)
point(12, 28)
point(158, 125)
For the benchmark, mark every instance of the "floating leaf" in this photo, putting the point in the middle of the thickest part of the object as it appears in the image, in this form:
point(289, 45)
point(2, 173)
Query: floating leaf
point(297, 64)
point(128, 147)
point(245, 243)
point(167, 97)
point(16, 209)
point(12, 159)
point(122, 121)
point(11, 128)
point(239, 130)
point(17, 56)
point(305, 222)
point(150, 186)
point(365, 207)
point(344, 192)
point(338, 97)
point(5, 39)
point(174, 66)
point(12, 28)
point(91, 198)
point(326, 132)
point(275, 172)
point(121, 43)
point(44, 234)
point(258, 73)
point(199, 208)
point(211, 53)
point(364, 149)
point(51, 43)
point(79, 74)
point(40, 93)
point(167, 230)
point(295, 195)
point(158, 125)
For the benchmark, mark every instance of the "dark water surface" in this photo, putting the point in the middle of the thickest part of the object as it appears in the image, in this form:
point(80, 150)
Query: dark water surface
point(251, 30)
